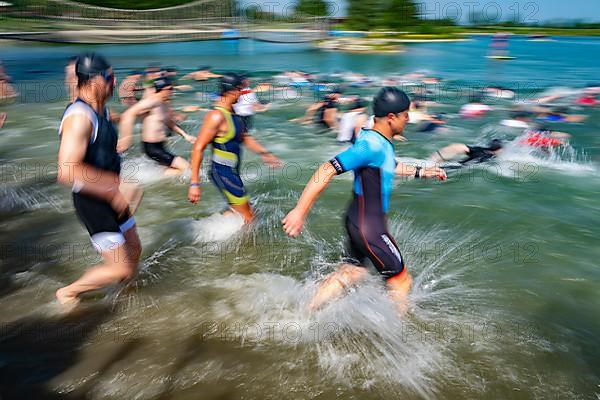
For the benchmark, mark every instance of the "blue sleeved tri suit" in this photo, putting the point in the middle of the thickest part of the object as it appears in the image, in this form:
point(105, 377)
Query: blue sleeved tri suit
point(373, 162)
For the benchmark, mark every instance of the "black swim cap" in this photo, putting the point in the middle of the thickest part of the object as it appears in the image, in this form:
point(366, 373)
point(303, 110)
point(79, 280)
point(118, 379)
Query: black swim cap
point(390, 100)
point(230, 81)
point(358, 103)
point(161, 83)
point(89, 65)
point(495, 144)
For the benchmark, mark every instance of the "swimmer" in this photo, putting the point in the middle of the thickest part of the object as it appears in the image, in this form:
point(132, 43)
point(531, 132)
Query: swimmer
point(475, 108)
point(88, 142)
point(373, 162)
point(543, 137)
point(129, 87)
point(71, 79)
point(588, 99)
point(352, 121)
point(469, 154)
point(223, 129)
point(247, 105)
point(202, 74)
point(156, 120)
point(560, 114)
point(323, 112)
point(518, 119)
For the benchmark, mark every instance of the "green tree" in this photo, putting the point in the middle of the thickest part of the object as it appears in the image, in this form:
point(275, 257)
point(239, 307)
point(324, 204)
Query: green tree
point(317, 8)
point(382, 14)
point(399, 14)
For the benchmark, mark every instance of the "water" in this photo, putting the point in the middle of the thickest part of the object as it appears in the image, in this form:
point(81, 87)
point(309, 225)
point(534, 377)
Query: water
point(503, 256)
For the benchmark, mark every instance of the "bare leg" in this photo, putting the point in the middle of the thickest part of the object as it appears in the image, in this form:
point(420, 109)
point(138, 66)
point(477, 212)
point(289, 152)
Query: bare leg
point(399, 286)
point(336, 283)
point(119, 264)
point(2, 119)
point(245, 210)
point(177, 167)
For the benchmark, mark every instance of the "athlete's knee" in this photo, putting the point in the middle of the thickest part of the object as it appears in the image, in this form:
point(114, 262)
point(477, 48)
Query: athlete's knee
point(348, 274)
point(180, 163)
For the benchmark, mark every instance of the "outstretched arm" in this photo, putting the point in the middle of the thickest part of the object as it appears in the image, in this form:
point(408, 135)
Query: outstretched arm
point(268, 158)
point(449, 152)
point(293, 223)
point(177, 129)
point(128, 122)
point(419, 172)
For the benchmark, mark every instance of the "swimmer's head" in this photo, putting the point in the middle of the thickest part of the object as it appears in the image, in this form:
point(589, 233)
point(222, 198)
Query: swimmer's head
point(392, 104)
point(358, 104)
point(475, 98)
point(163, 85)
point(230, 83)
point(495, 145)
point(245, 80)
point(92, 68)
point(521, 115)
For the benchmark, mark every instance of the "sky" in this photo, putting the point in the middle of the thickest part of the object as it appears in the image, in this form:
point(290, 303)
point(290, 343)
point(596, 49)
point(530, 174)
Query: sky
point(529, 11)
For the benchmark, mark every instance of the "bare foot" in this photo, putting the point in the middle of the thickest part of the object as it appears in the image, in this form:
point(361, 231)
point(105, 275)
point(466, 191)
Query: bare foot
point(65, 298)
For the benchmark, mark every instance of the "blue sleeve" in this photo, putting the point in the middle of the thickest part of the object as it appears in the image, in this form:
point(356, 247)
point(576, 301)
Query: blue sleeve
point(361, 154)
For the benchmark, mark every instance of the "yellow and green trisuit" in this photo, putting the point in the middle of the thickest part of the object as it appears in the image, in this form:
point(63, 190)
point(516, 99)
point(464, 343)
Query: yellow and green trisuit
point(226, 157)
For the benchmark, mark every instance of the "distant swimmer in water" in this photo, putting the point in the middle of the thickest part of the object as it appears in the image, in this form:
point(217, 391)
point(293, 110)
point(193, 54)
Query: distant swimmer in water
point(105, 205)
point(156, 120)
point(202, 74)
point(129, 90)
point(587, 100)
point(544, 138)
point(223, 129)
point(560, 114)
point(518, 119)
point(468, 154)
point(474, 108)
point(373, 162)
point(248, 104)
point(324, 112)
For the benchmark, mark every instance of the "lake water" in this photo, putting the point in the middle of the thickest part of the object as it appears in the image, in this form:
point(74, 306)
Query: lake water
point(504, 256)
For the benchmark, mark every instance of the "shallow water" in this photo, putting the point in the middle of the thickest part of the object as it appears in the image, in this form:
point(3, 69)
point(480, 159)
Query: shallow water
point(504, 256)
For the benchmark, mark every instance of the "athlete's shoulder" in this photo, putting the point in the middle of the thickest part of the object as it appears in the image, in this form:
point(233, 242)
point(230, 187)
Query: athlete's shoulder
point(371, 139)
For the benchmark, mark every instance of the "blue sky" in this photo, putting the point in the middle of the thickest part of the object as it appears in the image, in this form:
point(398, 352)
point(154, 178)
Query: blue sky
point(529, 10)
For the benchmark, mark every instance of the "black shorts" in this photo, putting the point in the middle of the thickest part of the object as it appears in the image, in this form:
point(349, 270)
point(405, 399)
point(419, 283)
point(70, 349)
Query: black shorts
point(105, 227)
point(158, 153)
point(247, 122)
point(369, 238)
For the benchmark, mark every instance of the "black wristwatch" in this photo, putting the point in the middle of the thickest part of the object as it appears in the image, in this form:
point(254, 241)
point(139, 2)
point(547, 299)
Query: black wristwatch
point(418, 172)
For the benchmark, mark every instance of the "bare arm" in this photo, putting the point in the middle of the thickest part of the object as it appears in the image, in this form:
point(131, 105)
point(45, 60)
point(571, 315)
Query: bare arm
point(293, 223)
point(310, 112)
point(418, 172)
point(210, 127)
point(177, 129)
point(127, 123)
point(253, 145)
point(449, 152)
point(82, 177)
